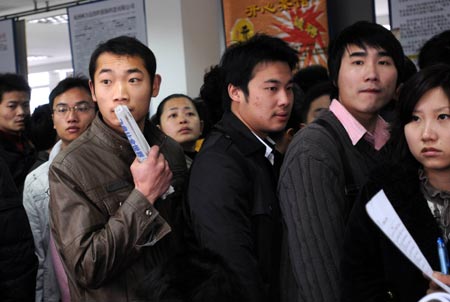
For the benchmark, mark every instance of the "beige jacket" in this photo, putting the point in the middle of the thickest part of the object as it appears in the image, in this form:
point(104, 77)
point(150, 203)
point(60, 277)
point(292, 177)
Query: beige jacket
point(108, 235)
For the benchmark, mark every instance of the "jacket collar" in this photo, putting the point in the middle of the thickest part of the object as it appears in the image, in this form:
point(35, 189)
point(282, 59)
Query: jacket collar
point(55, 150)
point(244, 139)
point(118, 141)
point(107, 136)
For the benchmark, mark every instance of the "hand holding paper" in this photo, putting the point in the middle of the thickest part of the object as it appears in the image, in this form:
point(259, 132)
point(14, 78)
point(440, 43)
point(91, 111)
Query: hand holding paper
point(380, 210)
point(138, 141)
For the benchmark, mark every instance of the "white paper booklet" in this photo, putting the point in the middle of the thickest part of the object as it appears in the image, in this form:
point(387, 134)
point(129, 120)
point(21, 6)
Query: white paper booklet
point(135, 137)
point(436, 297)
point(380, 210)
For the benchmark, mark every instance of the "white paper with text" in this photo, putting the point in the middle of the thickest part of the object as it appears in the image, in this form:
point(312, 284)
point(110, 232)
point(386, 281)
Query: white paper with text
point(380, 210)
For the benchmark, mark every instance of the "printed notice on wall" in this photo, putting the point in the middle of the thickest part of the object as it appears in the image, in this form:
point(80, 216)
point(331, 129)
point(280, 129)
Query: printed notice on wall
point(417, 21)
point(94, 23)
point(7, 51)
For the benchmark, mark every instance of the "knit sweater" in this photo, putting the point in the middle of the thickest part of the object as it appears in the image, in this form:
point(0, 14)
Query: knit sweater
point(315, 206)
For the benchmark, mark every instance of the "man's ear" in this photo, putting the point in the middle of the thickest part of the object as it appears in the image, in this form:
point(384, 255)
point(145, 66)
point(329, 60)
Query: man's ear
point(235, 93)
point(302, 125)
point(91, 87)
point(290, 132)
point(156, 84)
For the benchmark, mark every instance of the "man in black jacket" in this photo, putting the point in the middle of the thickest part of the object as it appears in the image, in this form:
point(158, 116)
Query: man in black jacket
point(15, 148)
point(232, 191)
point(18, 263)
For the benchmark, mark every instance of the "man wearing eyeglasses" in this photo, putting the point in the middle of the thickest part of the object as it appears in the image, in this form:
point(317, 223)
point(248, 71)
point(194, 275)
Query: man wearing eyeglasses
point(73, 112)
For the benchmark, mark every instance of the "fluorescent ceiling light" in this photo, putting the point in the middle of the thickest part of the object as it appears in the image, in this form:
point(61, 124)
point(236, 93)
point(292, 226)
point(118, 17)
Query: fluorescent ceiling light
point(36, 58)
point(59, 19)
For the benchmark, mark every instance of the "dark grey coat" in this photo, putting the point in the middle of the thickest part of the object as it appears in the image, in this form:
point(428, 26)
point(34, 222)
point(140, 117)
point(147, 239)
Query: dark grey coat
point(315, 206)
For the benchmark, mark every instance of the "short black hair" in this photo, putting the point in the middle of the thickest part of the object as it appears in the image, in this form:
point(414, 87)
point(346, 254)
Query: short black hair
point(295, 116)
point(309, 76)
point(409, 69)
point(239, 60)
point(211, 93)
point(13, 82)
point(202, 110)
point(434, 76)
point(41, 131)
point(124, 46)
point(156, 119)
point(435, 50)
point(313, 93)
point(66, 84)
point(363, 34)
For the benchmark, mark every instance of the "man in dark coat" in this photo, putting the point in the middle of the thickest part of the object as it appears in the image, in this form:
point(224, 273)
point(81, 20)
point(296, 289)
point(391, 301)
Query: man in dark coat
point(232, 191)
point(18, 263)
point(15, 148)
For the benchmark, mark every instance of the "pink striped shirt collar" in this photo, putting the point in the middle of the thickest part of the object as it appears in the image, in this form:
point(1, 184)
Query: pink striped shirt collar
point(356, 131)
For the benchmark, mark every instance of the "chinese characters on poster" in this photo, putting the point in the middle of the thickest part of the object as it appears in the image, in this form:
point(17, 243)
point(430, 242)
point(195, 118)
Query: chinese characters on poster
point(301, 23)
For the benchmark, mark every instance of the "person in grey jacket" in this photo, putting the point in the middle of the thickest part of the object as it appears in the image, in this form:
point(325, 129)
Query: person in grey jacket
point(73, 111)
point(328, 160)
point(108, 219)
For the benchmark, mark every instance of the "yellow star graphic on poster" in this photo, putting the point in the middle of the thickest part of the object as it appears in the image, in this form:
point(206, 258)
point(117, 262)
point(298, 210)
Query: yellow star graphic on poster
point(242, 30)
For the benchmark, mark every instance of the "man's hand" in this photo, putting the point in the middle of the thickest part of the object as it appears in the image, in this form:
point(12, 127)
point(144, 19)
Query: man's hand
point(152, 177)
point(441, 277)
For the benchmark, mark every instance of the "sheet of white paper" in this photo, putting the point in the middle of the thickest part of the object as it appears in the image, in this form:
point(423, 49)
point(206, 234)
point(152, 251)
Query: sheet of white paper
point(380, 210)
point(435, 297)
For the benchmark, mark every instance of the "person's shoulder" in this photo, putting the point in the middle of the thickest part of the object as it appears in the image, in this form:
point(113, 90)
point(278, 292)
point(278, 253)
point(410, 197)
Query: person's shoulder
point(37, 175)
point(72, 155)
point(316, 140)
point(217, 144)
point(218, 152)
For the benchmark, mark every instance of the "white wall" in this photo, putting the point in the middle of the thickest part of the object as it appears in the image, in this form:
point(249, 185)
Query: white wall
point(204, 39)
point(187, 38)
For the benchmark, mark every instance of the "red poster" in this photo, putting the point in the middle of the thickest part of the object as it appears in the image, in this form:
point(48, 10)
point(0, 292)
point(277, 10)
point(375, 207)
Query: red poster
point(301, 23)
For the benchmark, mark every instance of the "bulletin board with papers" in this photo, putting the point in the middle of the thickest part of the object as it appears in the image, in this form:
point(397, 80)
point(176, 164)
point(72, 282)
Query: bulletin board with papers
point(416, 21)
point(94, 23)
point(7, 48)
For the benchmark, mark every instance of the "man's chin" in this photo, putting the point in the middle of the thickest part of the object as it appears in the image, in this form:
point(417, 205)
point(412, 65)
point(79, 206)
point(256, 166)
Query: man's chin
point(17, 130)
point(113, 124)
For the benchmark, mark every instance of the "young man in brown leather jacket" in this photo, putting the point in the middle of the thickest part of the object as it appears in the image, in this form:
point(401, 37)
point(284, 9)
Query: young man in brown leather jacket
point(110, 225)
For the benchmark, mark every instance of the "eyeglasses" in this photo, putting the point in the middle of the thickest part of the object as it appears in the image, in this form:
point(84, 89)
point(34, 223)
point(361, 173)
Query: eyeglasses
point(64, 109)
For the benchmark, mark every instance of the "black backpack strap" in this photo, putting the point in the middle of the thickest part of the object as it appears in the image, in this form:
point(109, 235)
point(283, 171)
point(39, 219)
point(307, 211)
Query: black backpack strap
point(351, 188)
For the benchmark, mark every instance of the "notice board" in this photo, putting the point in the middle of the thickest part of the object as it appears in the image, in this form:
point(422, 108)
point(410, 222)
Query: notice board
point(416, 21)
point(94, 23)
point(7, 48)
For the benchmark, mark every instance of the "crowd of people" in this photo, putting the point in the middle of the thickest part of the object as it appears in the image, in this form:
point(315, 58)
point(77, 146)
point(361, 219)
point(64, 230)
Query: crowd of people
point(269, 168)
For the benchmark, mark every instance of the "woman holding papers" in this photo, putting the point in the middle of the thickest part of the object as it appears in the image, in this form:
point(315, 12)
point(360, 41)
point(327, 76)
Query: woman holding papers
point(417, 183)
